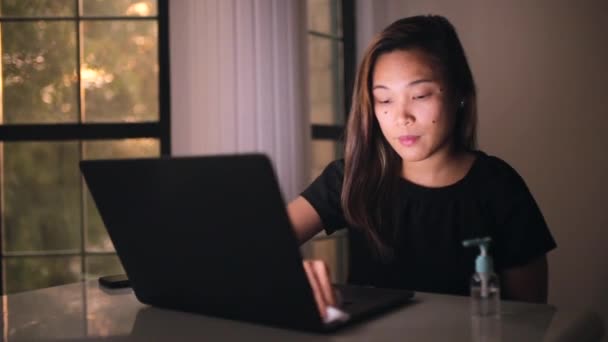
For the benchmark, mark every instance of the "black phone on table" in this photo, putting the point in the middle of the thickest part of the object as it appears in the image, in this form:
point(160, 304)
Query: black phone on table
point(116, 281)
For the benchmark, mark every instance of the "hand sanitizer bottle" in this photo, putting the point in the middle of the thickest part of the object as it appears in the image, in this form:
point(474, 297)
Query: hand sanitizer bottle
point(485, 287)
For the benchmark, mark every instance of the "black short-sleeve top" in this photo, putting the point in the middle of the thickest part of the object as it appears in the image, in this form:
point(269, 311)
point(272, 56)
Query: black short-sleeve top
point(491, 200)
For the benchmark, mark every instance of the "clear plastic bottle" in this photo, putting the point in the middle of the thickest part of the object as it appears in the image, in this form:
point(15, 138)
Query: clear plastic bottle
point(485, 286)
point(485, 304)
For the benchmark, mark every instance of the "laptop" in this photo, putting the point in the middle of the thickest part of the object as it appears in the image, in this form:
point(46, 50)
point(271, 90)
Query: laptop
point(211, 235)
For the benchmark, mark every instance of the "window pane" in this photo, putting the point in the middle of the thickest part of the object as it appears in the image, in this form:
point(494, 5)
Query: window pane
point(39, 72)
point(28, 8)
point(334, 251)
point(97, 237)
point(119, 71)
point(119, 8)
point(125, 148)
point(100, 265)
point(28, 273)
point(325, 16)
point(41, 196)
point(326, 86)
point(323, 153)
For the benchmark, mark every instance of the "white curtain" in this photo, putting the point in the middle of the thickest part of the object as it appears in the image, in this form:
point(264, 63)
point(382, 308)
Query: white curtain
point(237, 82)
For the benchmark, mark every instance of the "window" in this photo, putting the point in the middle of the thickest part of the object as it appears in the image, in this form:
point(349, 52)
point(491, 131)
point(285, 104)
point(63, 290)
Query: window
point(331, 58)
point(81, 79)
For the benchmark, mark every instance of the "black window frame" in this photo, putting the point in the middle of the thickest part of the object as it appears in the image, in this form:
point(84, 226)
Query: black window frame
point(336, 132)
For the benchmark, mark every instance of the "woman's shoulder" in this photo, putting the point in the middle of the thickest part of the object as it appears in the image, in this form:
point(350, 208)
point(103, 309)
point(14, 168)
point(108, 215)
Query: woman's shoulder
point(494, 171)
point(334, 169)
point(338, 163)
point(494, 164)
point(332, 175)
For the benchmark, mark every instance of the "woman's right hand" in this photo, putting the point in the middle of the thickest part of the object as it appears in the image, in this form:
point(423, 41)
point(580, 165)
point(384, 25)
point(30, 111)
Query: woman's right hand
point(318, 275)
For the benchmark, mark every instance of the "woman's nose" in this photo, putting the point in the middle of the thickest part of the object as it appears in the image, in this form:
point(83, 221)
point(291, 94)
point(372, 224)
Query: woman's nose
point(404, 117)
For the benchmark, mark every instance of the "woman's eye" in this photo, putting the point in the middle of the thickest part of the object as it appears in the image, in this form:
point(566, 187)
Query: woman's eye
point(383, 101)
point(422, 96)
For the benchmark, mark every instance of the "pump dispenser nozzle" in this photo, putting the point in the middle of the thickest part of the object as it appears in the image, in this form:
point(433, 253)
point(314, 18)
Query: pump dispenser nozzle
point(483, 263)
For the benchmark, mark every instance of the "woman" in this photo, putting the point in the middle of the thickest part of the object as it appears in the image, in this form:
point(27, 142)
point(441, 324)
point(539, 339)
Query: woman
point(412, 186)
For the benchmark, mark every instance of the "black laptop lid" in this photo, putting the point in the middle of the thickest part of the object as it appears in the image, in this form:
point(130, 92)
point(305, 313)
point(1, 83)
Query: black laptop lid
point(205, 234)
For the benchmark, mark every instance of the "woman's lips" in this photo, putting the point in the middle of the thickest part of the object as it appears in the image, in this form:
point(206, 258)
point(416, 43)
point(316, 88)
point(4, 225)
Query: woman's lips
point(408, 140)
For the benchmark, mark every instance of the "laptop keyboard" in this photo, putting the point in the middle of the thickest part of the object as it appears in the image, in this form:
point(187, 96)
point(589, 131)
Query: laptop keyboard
point(359, 298)
point(352, 293)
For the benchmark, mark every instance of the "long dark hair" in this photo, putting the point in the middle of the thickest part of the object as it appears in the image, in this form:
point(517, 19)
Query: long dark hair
point(372, 167)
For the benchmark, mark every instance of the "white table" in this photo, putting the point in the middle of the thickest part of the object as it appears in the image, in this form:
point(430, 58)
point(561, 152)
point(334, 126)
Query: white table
point(83, 311)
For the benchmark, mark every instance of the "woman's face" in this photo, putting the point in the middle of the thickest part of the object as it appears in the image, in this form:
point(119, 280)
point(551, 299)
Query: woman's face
point(412, 105)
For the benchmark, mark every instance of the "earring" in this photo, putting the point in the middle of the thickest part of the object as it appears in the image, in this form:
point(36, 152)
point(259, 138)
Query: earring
point(462, 103)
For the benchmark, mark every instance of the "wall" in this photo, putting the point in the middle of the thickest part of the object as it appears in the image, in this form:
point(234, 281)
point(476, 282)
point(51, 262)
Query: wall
point(541, 73)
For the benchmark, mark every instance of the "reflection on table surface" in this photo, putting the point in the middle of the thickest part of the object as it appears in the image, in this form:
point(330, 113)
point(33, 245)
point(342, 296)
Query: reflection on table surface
point(85, 312)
